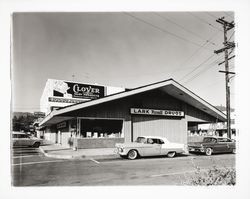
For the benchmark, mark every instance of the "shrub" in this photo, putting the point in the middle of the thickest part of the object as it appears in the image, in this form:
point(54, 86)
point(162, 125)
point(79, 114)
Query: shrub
point(215, 176)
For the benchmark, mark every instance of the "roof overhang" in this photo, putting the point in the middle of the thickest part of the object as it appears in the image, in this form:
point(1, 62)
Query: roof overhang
point(56, 120)
point(169, 86)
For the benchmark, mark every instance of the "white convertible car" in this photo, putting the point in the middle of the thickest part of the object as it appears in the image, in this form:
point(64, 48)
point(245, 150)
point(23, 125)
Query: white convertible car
point(149, 146)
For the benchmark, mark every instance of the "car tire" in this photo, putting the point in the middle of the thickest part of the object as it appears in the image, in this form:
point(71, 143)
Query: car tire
point(208, 151)
point(171, 154)
point(132, 154)
point(36, 144)
point(123, 156)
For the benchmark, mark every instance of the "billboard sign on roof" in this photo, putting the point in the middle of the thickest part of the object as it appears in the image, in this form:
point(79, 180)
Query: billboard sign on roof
point(77, 90)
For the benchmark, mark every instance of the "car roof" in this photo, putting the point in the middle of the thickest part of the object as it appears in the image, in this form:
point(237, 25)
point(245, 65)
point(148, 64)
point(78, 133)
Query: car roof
point(157, 137)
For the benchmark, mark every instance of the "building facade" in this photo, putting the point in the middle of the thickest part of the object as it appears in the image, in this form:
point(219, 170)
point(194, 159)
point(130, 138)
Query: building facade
point(218, 128)
point(162, 109)
point(61, 93)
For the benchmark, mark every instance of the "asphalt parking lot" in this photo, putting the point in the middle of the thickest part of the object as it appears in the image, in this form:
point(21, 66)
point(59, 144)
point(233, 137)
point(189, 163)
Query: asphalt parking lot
point(31, 168)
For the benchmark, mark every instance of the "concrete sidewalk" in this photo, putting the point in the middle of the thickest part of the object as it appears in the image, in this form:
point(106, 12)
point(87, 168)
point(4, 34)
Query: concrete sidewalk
point(58, 151)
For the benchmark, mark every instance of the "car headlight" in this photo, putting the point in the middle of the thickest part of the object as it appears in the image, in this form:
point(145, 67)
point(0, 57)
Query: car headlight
point(121, 150)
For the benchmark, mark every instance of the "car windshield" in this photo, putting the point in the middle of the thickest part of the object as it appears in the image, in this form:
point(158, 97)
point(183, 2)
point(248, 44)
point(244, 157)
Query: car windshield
point(141, 140)
point(213, 140)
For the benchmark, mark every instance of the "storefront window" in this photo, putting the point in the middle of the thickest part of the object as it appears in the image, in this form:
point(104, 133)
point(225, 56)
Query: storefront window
point(101, 128)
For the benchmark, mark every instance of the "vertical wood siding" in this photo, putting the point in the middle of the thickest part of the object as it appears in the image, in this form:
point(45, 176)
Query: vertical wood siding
point(173, 129)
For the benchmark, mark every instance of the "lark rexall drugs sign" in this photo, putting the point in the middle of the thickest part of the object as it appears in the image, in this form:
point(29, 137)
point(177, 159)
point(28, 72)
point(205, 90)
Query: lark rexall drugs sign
point(77, 90)
point(140, 111)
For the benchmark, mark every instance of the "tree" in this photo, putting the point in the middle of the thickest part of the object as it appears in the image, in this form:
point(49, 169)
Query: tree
point(22, 121)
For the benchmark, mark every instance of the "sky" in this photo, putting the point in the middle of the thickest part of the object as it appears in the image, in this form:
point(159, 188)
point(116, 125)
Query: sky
point(125, 49)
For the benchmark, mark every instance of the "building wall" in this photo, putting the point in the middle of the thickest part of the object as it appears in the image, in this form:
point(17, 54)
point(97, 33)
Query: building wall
point(173, 128)
point(50, 133)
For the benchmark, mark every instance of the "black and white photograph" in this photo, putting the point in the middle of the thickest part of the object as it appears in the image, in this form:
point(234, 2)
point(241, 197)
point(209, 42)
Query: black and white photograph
point(125, 98)
point(114, 93)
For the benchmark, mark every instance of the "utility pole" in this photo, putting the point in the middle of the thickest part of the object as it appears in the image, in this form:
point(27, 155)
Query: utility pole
point(227, 45)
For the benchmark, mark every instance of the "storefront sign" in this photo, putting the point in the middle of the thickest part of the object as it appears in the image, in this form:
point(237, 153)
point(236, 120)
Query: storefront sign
point(77, 90)
point(141, 111)
point(64, 100)
point(61, 125)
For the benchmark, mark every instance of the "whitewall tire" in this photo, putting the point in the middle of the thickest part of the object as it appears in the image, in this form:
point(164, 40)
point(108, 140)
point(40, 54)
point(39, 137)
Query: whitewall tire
point(209, 151)
point(132, 154)
point(171, 154)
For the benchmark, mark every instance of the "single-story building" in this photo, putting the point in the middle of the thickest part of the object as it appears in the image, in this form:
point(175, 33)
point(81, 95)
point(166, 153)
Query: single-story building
point(164, 108)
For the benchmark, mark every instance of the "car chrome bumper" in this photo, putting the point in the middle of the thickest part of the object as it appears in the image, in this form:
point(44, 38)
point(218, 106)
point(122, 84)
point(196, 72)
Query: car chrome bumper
point(119, 152)
point(192, 149)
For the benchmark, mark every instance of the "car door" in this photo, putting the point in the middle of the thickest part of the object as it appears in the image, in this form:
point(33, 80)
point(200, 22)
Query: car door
point(24, 140)
point(157, 146)
point(221, 145)
point(14, 139)
point(165, 148)
point(230, 145)
point(152, 147)
point(18, 141)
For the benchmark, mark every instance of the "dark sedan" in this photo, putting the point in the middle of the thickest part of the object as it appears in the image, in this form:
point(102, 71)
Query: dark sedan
point(211, 145)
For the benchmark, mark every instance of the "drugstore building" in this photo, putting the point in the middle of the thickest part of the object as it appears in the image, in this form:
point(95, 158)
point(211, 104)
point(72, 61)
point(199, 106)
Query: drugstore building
point(164, 108)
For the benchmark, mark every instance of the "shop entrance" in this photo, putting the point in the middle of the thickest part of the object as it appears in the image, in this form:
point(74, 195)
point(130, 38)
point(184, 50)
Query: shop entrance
point(101, 128)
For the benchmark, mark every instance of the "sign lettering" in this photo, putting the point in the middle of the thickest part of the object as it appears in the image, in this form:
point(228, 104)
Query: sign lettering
point(61, 125)
point(64, 100)
point(141, 111)
point(77, 90)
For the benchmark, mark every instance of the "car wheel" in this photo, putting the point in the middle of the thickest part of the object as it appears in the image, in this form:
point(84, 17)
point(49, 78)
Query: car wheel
point(132, 154)
point(122, 156)
point(171, 154)
point(209, 151)
point(36, 144)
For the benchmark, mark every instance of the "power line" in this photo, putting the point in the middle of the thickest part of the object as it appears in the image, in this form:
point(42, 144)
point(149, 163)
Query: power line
point(205, 69)
point(214, 83)
point(231, 35)
point(211, 15)
point(196, 51)
point(228, 15)
point(163, 30)
point(182, 27)
point(197, 67)
point(204, 21)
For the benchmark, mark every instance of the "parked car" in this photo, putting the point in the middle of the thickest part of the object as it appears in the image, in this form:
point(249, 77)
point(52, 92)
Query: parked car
point(23, 139)
point(211, 145)
point(149, 146)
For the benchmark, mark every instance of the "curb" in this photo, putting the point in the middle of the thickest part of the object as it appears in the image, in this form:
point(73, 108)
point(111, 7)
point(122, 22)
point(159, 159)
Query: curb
point(58, 156)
